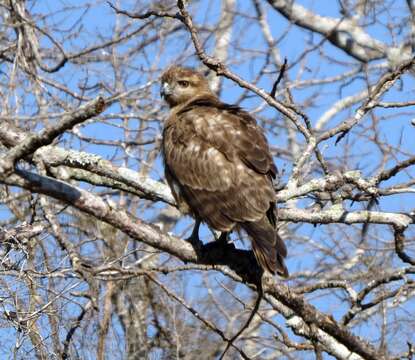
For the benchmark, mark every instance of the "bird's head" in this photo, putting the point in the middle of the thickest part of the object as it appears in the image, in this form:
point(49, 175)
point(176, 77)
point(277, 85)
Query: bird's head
point(180, 84)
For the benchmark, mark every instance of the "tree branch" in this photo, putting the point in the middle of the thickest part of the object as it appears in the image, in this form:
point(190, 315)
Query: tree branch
point(240, 261)
point(45, 137)
point(343, 33)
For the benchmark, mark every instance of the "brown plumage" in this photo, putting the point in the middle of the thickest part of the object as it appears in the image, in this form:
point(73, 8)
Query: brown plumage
point(218, 165)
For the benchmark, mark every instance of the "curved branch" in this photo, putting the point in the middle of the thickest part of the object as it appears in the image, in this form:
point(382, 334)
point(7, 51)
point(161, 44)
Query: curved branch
point(241, 261)
point(343, 33)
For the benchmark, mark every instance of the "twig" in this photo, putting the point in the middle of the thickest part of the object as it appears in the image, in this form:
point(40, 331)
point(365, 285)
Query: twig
point(142, 16)
point(74, 327)
point(245, 326)
point(47, 135)
point(280, 75)
point(195, 313)
point(400, 246)
point(383, 85)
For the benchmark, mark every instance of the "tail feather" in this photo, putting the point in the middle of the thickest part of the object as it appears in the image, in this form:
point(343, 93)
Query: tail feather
point(268, 247)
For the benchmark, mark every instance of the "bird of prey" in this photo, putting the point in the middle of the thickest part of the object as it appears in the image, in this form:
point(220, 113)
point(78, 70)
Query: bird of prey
point(219, 166)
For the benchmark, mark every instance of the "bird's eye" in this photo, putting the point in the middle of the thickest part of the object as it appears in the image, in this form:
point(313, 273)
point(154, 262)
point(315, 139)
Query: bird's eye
point(183, 83)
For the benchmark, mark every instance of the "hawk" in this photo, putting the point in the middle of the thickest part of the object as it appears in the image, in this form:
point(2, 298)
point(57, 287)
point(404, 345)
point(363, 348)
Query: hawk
point(219, 166)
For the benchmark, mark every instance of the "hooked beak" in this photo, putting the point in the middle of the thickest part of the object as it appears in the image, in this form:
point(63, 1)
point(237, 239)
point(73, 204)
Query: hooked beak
point(165, 90)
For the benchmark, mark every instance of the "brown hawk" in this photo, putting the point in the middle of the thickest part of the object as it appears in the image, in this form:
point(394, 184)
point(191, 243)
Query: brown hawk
point(218, 165)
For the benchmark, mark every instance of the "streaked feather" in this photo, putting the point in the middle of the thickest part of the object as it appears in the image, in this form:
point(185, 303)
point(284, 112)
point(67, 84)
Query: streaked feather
point(219, 166)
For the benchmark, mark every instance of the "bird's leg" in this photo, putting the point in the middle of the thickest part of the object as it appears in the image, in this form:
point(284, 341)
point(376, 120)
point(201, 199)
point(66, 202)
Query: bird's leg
point(194, 237)
point(221, 243)
point(223, 238)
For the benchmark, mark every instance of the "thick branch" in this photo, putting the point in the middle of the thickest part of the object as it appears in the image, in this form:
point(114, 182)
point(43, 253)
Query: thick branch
point(240, 261)
point(341, 216)
point(343, 33)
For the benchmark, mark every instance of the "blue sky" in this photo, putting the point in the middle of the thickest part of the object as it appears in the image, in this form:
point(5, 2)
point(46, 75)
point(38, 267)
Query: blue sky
point(397, 131)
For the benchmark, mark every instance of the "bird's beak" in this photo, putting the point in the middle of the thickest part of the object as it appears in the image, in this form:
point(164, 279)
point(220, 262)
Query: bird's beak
point(165, 90)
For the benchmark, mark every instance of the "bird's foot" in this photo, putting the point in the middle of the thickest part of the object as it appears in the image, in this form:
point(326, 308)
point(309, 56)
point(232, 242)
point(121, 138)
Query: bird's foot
point(195, 241)
point(194, 237)
point(223, 240)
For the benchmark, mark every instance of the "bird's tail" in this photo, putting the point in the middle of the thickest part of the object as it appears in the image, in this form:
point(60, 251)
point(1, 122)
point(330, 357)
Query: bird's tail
point(268, 247)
